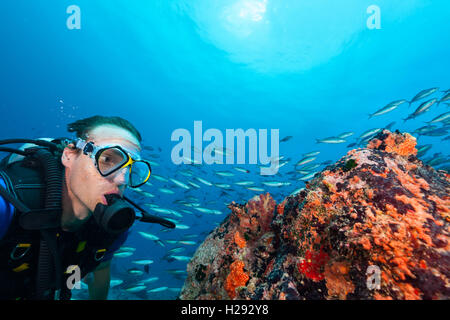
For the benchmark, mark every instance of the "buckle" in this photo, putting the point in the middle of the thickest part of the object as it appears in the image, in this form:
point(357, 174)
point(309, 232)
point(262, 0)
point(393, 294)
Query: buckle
point(99, 254)
point(20, 251)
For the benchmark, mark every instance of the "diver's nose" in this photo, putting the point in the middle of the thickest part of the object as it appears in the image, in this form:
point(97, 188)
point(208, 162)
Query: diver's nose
point(122, 176)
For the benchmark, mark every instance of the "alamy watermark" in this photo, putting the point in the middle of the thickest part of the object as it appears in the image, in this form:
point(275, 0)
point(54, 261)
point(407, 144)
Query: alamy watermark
point(374, 20)
point(373, 281)
point(73, 281)
point(215, 151)
point(74, 20)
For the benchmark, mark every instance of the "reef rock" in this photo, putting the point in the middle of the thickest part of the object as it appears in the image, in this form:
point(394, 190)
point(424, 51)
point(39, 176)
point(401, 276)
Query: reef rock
point(375, 225)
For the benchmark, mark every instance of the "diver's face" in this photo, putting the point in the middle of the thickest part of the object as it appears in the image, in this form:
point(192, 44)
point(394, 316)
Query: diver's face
point(85, 183)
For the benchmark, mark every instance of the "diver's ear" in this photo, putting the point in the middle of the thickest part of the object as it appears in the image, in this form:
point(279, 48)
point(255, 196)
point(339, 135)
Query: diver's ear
point(69, 153)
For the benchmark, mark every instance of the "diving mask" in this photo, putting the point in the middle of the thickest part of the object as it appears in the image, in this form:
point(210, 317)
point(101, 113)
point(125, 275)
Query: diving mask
point(111, 158)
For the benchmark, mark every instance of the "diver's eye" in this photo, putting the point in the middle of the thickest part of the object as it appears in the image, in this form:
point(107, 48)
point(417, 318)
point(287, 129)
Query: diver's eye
point(105, 159)
point(110, 159)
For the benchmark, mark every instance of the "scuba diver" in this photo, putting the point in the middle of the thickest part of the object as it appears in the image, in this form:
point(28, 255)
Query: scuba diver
point(63, 209)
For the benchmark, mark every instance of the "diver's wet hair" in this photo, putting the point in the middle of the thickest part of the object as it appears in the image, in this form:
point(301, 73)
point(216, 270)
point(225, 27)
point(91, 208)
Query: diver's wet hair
point(83, 126)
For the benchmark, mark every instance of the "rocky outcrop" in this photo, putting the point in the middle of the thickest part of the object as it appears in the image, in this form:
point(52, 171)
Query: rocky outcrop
point(375, 225)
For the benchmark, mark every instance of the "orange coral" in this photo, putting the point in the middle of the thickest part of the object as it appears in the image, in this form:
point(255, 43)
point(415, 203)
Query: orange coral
point(236, 278)
point(442, 206)
point(239, 240)
point(409, 292)
point(336, 279)
point(403, 145)
point(365, 242)
point(378, 296)
point(374, 144)
point(280, 207)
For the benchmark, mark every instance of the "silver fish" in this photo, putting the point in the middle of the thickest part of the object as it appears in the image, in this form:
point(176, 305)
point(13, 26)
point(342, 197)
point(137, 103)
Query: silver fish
point(187, 242)
point(424, 129)
point(439, 132)
point(160, 178)
point(255, 189)
point(204, 181)
point(159, 242)
point(208, 211)
point(142, 262)
point(440, 118)
point(311, 166)
point(311, 154)
point(423, 94)
point(308, 176)
point(345, 135)
point(166, 191)
point(438, 161)
point(223, 151)
point(181, 226)
point(181, 258)
point(148, 236)
point(330, 140)
point(135, 289)
point(388, 108)
point(162, 210)
point(173, 220)
point(153, 163)
point(194, 184)
point(224, 173)
point(179, 183)
point(115, 282)
point(176, 271)
point(286, 138)
point(421, 150)
point(305, 161)
point(144, 193)
point(151, 279)
point(186, 173)
point(276, 183)
point(369, 133)
point(446, 97)
point(157, 289)
point(151, 205)
point(190, 236)
point(190, 161)
point(424, 107)
point(223, 185)
point(244, 183)
point(296, 191)
point(241, 170)
point(176, 250)
point(135, 271)
point(124, 254)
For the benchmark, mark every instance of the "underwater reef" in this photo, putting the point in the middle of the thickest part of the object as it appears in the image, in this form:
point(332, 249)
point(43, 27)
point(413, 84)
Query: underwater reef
point(378, 213)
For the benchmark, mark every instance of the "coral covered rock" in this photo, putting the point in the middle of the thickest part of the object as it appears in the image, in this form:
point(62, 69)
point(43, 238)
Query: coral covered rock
point(375, 225)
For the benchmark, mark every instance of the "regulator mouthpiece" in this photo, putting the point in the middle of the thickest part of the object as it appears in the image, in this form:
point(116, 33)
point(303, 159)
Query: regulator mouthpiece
point(117, 217)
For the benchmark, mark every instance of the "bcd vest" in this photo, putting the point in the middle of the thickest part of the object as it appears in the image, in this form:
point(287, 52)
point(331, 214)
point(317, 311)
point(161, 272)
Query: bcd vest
point(19, 248)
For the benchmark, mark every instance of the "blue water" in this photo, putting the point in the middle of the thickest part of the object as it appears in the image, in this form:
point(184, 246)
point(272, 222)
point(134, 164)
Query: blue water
point(311, 69)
